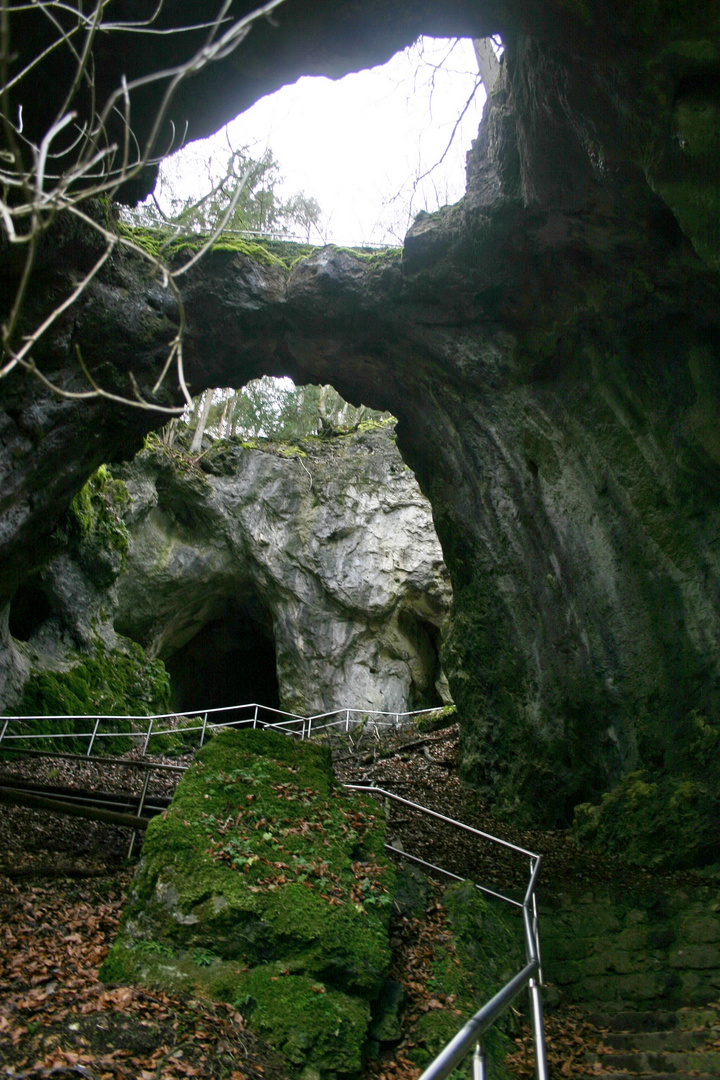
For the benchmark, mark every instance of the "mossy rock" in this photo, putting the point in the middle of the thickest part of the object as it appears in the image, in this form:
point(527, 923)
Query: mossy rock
point(94, 526)
point(112, 682)
point(481, 952)
point(668, 822)
point(266, 886)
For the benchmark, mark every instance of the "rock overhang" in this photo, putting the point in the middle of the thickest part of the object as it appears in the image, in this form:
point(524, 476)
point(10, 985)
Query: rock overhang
point(550, 348)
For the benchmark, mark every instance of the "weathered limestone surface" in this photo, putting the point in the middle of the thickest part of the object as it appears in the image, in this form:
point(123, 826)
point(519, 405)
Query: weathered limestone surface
point(335, 549)
point(326, 550)
point(551, 348)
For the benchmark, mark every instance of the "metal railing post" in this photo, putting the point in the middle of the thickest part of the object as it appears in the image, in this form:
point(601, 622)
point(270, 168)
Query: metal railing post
point(202, 733)
point(141, 804)
point(541, 1068)
point(92, 737)
point(2, 733)
point(309, 731)
point(149, 733)
point(347, 721)
point(478, 1063)
point(536, 935)
point(255, 718)
point(531, 950)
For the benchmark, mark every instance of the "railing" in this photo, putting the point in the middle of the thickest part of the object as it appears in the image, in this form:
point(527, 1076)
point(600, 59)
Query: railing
point(469, 1038)
point(251, 715)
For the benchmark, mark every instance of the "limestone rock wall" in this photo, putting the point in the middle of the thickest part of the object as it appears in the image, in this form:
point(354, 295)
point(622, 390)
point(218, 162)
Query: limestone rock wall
point(330, 544)
point(326, 550)
point(551, 347)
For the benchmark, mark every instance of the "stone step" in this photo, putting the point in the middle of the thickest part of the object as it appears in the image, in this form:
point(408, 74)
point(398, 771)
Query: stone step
point(646, 1062)
point(689, 1018)
point(609, 1075)
point(636, 1021)
point(694, 1017)
point(683, 1044)
point(659, 1042)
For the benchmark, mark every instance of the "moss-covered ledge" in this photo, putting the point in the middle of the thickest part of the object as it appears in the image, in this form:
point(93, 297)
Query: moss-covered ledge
point(265, 886)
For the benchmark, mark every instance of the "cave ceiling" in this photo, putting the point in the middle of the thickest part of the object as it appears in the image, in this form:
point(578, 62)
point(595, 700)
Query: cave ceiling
point(550, 345)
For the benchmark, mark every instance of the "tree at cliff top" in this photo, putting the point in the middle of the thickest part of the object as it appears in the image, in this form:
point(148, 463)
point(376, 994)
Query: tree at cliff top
point(240, 191)
point(269, 408)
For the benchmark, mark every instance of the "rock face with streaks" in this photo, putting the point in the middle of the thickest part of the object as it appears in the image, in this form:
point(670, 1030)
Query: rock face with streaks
point(551, 348)
point(309, 577)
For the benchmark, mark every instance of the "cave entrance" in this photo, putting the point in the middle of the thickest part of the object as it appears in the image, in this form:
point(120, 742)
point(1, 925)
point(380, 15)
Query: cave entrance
point(229, 661)
point(347, 160)
point(358, 615)
point(29, 610)
point(430, 690)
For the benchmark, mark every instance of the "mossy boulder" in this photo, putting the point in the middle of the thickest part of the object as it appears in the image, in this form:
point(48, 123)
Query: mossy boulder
point(265, 886)
point(477, 951)
point(120, 682)
point(665, 816)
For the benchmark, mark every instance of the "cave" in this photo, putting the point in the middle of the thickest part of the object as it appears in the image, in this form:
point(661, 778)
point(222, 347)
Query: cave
point(425, 639)
point(30, 608)
point(230, 661)
point(549, 346)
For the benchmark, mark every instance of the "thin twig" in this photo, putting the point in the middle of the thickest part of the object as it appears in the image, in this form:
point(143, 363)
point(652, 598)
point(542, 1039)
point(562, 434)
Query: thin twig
point(33, 194)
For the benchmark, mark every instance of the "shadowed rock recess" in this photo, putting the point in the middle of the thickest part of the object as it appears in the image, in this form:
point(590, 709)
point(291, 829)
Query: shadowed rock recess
point(550, 346)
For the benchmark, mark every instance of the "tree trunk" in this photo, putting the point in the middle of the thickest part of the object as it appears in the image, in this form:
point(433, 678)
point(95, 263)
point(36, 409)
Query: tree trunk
point(488, 63)
point(202, 422)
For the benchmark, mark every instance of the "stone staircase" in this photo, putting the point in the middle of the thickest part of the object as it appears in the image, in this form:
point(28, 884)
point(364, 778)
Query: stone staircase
point(658, 1045)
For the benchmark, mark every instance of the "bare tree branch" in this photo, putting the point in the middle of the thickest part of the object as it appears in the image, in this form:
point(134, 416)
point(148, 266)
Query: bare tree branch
point(77, 160)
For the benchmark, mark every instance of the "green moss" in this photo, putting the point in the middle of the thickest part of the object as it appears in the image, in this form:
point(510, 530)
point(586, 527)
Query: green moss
point(374, 255)
point(669, 823)
point(695, 201)
point(111, 682)
point(476, 959)
point(437, 719)
point(94, 526)
point(297, 1014)
point(666, 814)
point(263, 863)
point(288, 450)
point(164, 244)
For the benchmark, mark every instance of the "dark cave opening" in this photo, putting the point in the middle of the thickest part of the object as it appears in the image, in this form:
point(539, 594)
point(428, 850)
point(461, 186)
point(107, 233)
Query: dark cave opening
point(29, 609)
point(230, 661)
point(425, 637)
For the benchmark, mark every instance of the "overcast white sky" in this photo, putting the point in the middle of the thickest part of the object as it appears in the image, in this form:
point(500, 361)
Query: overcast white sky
point(356, 144)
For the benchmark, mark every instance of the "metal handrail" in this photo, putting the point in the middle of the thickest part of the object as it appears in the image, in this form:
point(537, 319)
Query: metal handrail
point(469, 1036)
point(460, 1046)
point(292, 724)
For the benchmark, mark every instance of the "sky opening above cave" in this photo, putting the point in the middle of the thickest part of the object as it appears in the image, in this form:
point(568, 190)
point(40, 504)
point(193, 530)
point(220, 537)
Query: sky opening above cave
point(373, 148)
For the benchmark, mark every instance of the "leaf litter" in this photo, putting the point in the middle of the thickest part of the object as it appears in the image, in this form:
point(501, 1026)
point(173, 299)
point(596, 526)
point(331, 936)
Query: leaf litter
point(62, 888)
